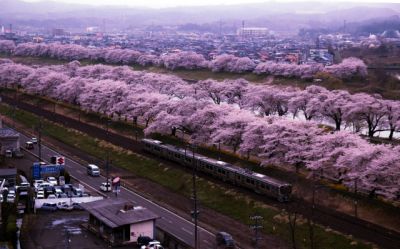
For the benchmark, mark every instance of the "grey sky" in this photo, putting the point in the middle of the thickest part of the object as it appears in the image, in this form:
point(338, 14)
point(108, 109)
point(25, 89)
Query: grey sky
point(174, 3)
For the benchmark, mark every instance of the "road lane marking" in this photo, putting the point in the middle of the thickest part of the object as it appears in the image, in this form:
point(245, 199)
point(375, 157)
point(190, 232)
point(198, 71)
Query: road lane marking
point(206, 241)
point(189, 232)
point(131, 192)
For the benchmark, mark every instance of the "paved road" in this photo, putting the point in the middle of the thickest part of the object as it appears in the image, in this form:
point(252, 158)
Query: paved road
point(169, 221)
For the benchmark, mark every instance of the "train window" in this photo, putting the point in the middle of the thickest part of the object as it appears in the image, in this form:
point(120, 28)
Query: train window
point(177, 156)
point(248, 180)
point(238, 177)
point(262, 185)
point(252, 182)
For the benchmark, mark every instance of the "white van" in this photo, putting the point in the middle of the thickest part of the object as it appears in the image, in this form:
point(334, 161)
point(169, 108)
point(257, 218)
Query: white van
point(93, 170)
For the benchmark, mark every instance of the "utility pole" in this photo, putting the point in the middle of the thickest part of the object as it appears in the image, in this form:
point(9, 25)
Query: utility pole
point(257, 219)
point(107, 158)
point(355, 201)
point(195, 212)
point(40, 139)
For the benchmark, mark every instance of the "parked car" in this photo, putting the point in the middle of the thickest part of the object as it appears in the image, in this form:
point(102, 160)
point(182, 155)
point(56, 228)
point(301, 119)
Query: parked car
point(11, 191)
point(49, 207)
point(34, 140)
point(49, 190)
point(66, 188)
point(52, 180)
point(77, 206)
point(57, 190)
point(62, 195)
point(93, 170)
point(105, 187)
point(224, 239)
point(40, 195)
point(29, 145)
point(61, 180)
point(153, 245)
point(45, 185)
point(36, 183)
point(23, 186)
point(52, 196)
point(77, 191)
point(8, 153)
point(143, 240)
point(65, 206)
point(11, 197)
point(18, 154)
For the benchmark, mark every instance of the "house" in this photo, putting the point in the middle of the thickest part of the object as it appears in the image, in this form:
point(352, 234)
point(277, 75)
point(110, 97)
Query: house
point(9, 140)
point(9, 175)
point(118, 221)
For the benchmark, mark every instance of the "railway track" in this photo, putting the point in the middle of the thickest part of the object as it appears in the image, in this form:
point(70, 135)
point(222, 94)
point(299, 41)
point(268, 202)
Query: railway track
point(383, 237)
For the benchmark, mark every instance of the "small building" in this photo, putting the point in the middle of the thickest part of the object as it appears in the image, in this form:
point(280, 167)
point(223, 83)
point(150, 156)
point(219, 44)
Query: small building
point(9, 140)
point(119, 222)
point(9, 175)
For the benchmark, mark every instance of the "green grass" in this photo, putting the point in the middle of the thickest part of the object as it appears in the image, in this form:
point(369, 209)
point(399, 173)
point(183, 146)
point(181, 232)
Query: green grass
point(214, 196)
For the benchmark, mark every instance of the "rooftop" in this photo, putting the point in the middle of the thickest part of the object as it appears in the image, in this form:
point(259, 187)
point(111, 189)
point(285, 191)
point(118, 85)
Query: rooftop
point(118, 212)
point(7, 132)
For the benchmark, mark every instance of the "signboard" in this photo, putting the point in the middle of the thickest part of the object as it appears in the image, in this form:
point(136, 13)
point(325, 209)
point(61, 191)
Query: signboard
point(51, 169)
point(60, 160)
point(36, 171)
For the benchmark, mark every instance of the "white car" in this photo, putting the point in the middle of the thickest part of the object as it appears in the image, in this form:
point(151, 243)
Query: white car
point(105, 187)
point(11, 196)
point(36, 183)
point(153, 245)
point(52, 180)
point(40, 195)
point(52, 196)
point(64, 206)
point(45, 185)
point(34, 140)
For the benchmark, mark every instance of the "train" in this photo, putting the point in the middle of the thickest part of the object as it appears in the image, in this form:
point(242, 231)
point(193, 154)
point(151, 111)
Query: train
point(224, 171)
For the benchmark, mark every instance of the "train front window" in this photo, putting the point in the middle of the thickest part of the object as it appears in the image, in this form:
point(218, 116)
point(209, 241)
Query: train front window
point(285, 190)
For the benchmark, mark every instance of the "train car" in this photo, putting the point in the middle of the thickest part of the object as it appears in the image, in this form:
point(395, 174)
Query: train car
point(224, 171)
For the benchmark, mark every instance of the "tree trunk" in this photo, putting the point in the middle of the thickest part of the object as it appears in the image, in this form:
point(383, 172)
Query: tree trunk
point(338, 124)
point(292, 226)
point(391, 134)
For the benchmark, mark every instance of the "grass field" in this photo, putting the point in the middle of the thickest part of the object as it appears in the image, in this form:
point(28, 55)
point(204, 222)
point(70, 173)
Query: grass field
point(225, 201)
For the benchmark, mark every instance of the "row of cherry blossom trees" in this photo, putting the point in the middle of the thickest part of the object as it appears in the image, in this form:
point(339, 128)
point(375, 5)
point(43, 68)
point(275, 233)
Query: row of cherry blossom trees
point(233, 113)
point(349, 68)
point(360, 112)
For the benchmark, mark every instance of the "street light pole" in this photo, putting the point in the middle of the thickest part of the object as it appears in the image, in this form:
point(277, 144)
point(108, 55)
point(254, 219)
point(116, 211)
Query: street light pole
point(40, 139)
point(107, 159)
point(195, 212)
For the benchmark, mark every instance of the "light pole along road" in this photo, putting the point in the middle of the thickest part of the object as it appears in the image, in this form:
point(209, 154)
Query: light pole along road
point(170, 222)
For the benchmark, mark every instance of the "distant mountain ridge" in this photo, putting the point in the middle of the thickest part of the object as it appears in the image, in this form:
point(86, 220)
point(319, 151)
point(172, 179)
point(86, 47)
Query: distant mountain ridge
point(276, 16)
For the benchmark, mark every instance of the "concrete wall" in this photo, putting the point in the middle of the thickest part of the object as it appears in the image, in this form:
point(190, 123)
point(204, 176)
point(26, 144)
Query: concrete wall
point(69, 201)
point(144, 228)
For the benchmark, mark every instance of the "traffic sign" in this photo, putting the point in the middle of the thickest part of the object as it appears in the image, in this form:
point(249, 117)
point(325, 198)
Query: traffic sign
point(61, 160)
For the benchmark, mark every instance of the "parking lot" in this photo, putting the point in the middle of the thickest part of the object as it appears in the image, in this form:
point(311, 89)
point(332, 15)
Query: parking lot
point(60, 230)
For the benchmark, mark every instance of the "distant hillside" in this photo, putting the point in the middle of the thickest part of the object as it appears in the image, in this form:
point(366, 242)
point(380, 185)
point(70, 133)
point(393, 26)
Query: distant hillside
point(276, 16)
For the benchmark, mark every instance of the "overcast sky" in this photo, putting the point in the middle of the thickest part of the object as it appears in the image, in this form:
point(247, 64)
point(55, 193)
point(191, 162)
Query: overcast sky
point(174, 3)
